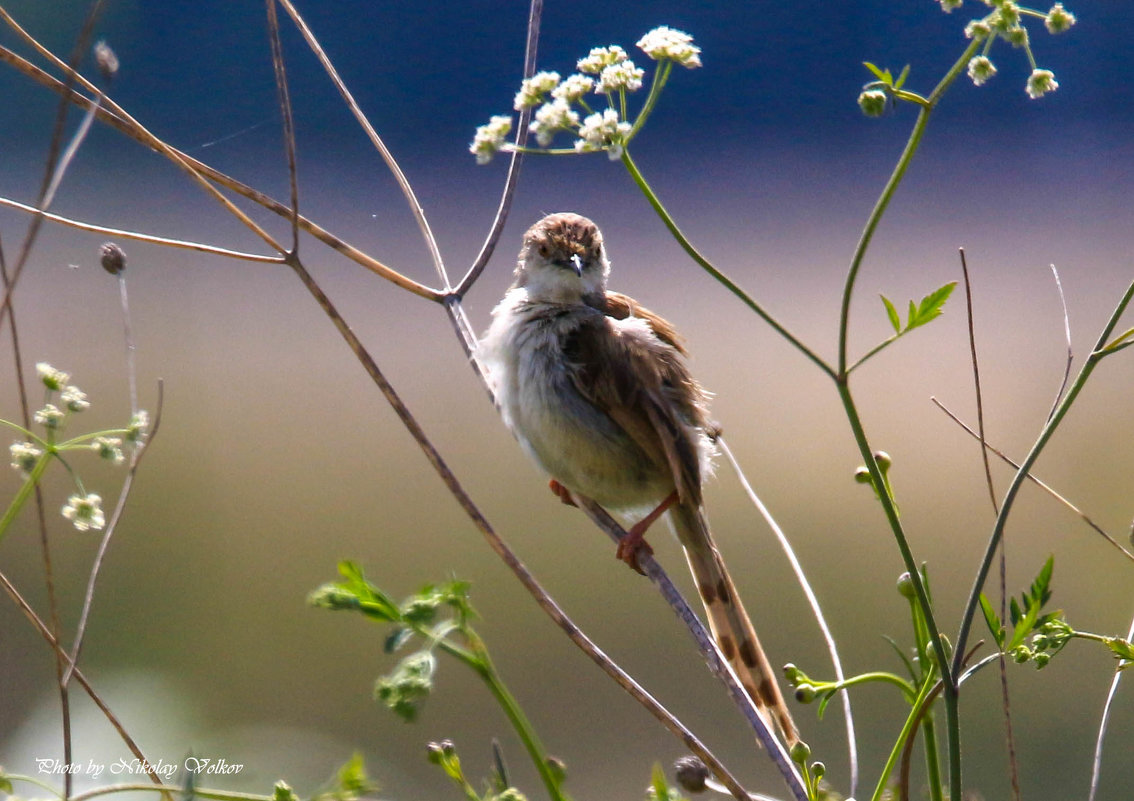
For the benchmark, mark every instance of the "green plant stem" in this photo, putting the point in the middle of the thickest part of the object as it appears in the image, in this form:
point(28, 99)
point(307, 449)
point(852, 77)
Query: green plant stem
point(922, 596)
point(661, 75)
point(477, 658)
point(1087, 635)
point(1025, 468)
point(871, 224)
point(923, 697)
point(24, 493)
point(723, 279)
point(842, 380)
point(932, 763)
point(880, 676)
point(925, 108)
point(874, 351)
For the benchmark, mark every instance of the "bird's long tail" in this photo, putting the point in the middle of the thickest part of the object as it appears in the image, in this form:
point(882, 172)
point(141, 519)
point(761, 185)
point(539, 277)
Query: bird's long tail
point(728, 620)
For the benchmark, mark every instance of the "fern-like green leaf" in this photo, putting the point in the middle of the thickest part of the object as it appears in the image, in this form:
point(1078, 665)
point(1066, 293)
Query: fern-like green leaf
point(892, 314)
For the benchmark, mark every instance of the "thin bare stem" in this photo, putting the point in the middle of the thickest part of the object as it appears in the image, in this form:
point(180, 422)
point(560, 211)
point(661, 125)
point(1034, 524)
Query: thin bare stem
point(288, 120)
point(813, 602)
point(403, 183)
point(976, 385)
point(128, 339)
point(486, 250)
point(111, 527)
point(140, 237)
point(69, 153)
point(127, 128)
point(1096, 765)
point(156, 143)
point(1039, 483)
point(1006, 704)
point(707, 645)
point(1067, 337)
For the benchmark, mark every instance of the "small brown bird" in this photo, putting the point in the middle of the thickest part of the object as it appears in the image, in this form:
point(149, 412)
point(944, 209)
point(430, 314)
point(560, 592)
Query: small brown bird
point(596, 389)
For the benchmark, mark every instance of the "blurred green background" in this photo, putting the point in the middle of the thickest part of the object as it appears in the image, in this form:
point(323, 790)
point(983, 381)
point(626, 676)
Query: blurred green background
point(277, 457)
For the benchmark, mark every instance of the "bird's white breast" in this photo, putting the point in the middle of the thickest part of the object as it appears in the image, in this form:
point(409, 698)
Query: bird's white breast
point(567, 436)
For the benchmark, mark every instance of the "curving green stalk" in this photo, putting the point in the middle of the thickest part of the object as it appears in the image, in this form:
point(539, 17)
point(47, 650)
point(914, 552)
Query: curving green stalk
point(842, 380)
point(476, 657)
point(24, 493)
point(661, 75)
point(706, 265)
point(924, 696)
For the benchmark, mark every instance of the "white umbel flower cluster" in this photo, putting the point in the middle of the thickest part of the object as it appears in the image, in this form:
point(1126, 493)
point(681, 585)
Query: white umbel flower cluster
point(603, 131)
point(667, 43)
point(490, 138)
point(533, 89)
point(85, 512)
point(552, 117)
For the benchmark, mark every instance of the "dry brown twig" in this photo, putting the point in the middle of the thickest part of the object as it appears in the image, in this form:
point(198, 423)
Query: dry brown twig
point(1037, 481)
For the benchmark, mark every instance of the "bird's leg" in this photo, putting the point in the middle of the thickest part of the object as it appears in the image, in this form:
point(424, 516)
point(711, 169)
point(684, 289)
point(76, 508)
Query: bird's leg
point(561, 492)
point(634, 541)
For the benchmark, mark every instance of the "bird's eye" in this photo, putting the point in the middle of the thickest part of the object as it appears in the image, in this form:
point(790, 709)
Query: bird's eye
point(544, 250)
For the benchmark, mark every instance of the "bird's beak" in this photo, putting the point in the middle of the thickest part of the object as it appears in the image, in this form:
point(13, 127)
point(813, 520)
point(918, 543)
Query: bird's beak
point(577, 264)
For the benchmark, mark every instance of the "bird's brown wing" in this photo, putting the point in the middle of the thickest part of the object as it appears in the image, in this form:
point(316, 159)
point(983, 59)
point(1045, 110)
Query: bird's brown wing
point(619, 306)
point(639, 379)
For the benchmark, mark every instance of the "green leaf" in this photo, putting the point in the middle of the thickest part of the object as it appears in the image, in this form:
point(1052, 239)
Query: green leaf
point(901, 655)
point(1041, 587)
point(930, 307)
point(353, 780)
point(499, 776)
point(1014, 613)
point(826, 699)
point(993, 621)
point(1119, 342)
point(892, 313)
point(881, 75)
point(1026, 625)
point(1117, 346)
point(902, 77)
point(658, 783)
point(371, 600)
point(1121, 648)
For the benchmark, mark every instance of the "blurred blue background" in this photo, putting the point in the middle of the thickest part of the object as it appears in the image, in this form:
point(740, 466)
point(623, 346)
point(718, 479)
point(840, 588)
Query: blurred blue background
point(277, 457)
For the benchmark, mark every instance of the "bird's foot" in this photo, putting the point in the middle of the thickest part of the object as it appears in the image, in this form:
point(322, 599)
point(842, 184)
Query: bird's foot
point(561, 492)
point(635, 540)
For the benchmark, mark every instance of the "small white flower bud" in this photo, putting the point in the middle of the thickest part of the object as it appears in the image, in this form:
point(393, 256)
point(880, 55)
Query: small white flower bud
point(981, 69)
point(1040, 82)
point(1058, 19)
point(872, 102)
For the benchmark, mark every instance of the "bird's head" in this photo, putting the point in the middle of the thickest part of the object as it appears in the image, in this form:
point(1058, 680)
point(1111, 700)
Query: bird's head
point(562, 259)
